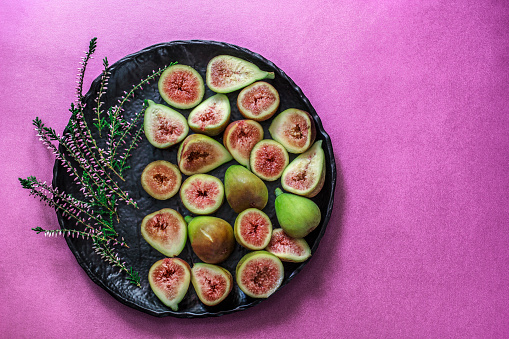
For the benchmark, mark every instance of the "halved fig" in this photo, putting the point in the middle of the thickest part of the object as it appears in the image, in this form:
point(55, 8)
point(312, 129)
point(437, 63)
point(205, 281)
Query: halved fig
point(259, 274)
point(294, 129)
point(211, 116)
point(212, 283)
point(199, 153)
point(211, 238)
point(268, 159)
point(202, 194)
point(161, 179)
point(240, 137)
point(258, 101)
point(169, 279)
point(181, 86)
point(163, 126)
point(305, 175)
point(253, 229)
point(166, 231)
point(287, 248)
point(226, 73)
point(244, 190)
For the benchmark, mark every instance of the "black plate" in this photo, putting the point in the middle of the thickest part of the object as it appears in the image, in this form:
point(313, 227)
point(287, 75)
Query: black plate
point(128, 72)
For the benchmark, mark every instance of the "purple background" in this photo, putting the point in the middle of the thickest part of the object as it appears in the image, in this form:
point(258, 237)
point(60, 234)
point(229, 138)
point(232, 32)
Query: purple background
point(414, 95)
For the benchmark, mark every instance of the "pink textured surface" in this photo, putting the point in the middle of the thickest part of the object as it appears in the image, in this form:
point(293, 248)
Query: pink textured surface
point(415, 97)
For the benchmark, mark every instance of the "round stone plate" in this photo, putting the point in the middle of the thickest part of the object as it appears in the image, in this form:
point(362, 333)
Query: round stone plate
point(124, 75)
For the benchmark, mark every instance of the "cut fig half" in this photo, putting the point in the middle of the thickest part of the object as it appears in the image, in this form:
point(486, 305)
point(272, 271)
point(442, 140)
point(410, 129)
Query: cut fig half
point(253, 229)
point(211, 116)
point(169, 279)
point(259, 274)
point(226, 73)
point(294, 129)
point(161, 179)
point(199, 153)
point(287, 248)
point(163, 126)
point(258, 101)
point(181, 86)
point(166, 231)
point(202, 194)
point(240, 137)
point(305, 175)
point(268, 159)
point(212, 283)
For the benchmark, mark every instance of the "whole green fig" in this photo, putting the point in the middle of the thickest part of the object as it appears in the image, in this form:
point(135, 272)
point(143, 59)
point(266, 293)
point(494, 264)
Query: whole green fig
point(297, 215)
point(211, 238)
point(244, 190)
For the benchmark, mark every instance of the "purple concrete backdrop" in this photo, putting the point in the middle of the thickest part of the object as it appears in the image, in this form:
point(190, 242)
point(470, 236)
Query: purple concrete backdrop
point(415, 97)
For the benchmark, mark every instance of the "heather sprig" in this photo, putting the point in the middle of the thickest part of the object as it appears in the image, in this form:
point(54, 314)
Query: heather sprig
point(87, 234)
point(120, 164)
point(82, 212)
point(94, 167)
point(107, 254)
point(100, 121)
point(81, 70)
point(85, 165)
point(119, 128)
point(84, 147)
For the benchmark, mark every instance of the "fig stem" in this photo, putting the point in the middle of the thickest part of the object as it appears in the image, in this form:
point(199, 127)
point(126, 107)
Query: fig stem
point(188, 218)
point(278, 192)
point(270, 75)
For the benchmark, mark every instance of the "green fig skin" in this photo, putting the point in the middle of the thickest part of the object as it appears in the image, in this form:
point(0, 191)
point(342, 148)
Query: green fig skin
point(244, 190)
point(298, 216)
point(211, 238)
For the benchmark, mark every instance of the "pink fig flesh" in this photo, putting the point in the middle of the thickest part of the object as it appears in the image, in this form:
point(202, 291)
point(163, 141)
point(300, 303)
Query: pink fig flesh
point(259, 274)
point(253, 229)
point(199, 153)
point(287, 248)
point(169, 279)
point(240, 137)
point(258, 101)
point(211, 116)
point(163, 126)
point(226, 73)
point(294, 129)
point(165, 230)
point(212, 283)
point(202, 194)
point(161, 179)
point(181, 86)
point(305, 175)
point(268, 160)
